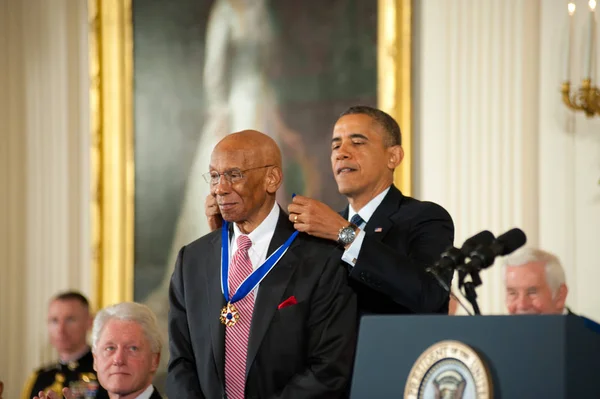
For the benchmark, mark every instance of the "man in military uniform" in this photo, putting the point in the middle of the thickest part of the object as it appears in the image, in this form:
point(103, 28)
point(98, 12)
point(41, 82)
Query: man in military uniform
point(69, 320)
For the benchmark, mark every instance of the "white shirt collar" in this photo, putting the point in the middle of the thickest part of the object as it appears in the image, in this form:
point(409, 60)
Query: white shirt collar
point(264, 230)
point(261, 237)
point(147, 393)
point(368, 210)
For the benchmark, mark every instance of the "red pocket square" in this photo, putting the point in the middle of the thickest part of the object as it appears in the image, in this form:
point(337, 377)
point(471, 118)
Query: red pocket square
point(288, 302)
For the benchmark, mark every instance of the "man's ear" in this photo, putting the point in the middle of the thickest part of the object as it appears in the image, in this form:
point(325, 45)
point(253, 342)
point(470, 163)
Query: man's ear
point(95, 366)
point(395, 156)
point(561, 296)
point(273, 179)
point(155, 362)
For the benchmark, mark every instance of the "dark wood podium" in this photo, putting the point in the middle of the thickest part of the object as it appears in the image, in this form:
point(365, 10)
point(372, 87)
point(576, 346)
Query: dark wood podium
point(527, 356)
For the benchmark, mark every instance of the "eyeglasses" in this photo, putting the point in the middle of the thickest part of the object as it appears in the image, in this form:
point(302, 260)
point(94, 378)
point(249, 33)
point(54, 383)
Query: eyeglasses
point(232, 176)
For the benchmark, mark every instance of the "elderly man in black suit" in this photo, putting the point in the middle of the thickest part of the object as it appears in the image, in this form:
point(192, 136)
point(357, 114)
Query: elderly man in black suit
point(256, 309)
point(388, 238)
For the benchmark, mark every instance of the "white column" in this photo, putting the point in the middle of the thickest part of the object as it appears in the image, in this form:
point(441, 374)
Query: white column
point(44, 166)
point(477, 65)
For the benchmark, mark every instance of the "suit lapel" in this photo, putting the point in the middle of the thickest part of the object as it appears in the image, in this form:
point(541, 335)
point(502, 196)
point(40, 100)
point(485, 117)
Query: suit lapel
point(380, 222)
point(272, 288)
point(216, 301)
point(345, 212)
point(155, 394)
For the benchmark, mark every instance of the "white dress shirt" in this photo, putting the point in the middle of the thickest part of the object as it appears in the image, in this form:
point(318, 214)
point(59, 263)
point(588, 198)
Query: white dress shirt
point(261, 237)
point(351, 254)
point(147, 393)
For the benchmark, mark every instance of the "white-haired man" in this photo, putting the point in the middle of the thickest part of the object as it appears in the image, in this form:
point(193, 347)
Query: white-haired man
point(535, 283)
point(126, 346)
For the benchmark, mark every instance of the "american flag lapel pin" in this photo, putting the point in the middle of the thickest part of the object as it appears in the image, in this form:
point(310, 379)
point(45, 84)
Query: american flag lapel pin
point(378, 230)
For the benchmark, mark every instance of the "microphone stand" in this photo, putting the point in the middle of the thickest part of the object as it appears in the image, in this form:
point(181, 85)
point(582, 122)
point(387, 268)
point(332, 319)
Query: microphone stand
point(445, 286)
point(469, 288)
point(471, 296)
point(439, 279)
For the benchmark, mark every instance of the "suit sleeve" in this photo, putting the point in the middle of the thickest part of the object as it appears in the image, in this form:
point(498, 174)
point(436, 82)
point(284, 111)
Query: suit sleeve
point(182, 380)
point(332, 326)
point(401, 276)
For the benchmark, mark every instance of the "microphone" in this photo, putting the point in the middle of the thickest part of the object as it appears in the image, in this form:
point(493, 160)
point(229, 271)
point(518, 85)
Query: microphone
point(453, 257)
point(483, 256)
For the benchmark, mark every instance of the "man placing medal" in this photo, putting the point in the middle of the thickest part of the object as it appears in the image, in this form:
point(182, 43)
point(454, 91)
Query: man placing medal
point(257, 309)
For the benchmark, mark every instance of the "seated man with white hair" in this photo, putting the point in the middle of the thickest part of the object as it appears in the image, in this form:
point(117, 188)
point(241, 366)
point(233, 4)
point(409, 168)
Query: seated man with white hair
point(126, 346)
point(535, 283)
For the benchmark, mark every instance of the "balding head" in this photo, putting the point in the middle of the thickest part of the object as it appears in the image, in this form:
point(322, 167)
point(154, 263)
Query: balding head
point(249, 164)
point(257, 147)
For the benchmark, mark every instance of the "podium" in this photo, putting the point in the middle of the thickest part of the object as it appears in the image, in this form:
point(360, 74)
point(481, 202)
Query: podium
point(524, 357)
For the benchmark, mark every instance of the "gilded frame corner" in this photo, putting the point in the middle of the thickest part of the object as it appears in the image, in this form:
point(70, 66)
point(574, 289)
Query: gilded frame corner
point(112, 134)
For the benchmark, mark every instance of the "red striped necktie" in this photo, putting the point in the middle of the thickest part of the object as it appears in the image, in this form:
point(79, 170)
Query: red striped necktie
point(236, 336)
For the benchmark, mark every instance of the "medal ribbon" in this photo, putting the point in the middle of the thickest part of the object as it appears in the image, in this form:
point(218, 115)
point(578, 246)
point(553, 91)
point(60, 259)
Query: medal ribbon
point(256, 276)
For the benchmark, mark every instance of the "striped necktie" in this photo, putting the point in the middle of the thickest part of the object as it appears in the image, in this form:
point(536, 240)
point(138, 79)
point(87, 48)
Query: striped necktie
point(236, 336)
point(357, 220)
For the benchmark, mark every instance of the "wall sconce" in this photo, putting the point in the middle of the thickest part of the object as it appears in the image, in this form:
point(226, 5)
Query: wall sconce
point(587, 97)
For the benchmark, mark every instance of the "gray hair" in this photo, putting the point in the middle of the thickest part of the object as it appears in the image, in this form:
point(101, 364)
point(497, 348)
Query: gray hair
point(129, 311)
point(555, 275)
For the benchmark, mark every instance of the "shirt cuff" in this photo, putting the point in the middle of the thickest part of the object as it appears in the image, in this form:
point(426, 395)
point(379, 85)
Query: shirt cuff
point(351, 254)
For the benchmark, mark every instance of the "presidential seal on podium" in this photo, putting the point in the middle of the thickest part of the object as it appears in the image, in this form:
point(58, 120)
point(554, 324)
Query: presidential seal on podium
point(449, 370)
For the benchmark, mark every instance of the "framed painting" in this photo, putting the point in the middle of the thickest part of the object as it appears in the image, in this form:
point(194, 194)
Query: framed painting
point(171, 78)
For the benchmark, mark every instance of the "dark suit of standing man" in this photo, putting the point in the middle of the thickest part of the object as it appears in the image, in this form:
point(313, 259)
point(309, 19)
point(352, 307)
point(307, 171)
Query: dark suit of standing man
point(388, 249)
point(302, 334)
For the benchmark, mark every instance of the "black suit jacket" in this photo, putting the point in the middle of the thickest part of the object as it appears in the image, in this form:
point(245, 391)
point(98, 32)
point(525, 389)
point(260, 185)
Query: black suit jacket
point(402, 238)
point(155, 394)
point(300, 351)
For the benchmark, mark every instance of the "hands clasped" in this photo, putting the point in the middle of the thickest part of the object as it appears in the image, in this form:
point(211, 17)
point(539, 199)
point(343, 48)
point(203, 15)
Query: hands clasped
point(53, 395)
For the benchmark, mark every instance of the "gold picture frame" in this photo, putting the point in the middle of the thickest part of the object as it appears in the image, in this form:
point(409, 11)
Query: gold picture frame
point(111, 129)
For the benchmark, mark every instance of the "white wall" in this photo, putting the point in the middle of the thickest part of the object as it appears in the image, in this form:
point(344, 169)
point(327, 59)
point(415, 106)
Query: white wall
point(494, 143)
point(569, 165)
point(44, 173)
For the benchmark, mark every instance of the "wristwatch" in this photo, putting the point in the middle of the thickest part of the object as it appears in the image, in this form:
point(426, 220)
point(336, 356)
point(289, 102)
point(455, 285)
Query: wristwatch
point(347, 234)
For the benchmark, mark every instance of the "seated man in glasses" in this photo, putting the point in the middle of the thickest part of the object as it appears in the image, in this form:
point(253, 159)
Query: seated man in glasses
point(257, 310)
